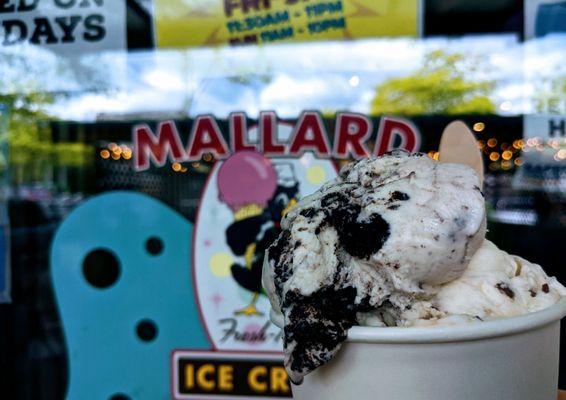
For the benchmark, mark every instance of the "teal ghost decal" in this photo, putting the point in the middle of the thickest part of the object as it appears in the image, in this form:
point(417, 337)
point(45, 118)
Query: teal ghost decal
point(121, 269)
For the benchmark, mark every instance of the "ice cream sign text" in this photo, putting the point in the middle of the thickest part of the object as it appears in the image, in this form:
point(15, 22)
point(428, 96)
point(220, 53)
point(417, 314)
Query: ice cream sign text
point(198, 375)
point(309, 134)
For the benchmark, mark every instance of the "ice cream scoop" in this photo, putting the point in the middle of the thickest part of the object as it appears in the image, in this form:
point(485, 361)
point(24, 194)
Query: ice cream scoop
point(494, 285)
point(497, 284)
point(386, 232)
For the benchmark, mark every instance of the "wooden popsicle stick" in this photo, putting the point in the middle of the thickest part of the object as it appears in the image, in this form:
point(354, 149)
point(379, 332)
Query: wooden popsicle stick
point(458, 145)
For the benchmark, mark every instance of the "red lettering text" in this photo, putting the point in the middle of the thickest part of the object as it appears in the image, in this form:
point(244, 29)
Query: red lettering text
point(390, 127)
point(268, 131)
point(352, 130)
point(206, 137)
point(148, 146)
point(310, 134)
point(239, 132)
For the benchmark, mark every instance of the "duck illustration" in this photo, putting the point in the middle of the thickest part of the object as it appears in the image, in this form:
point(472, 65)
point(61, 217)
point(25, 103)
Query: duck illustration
point(259, 193)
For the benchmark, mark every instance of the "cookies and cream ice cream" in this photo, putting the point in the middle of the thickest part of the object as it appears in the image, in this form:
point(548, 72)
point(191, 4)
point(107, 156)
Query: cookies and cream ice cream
point(392, 241)
point(494, 285)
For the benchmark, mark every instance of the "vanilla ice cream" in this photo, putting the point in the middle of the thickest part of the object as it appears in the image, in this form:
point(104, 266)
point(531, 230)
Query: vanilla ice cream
point(494, 285)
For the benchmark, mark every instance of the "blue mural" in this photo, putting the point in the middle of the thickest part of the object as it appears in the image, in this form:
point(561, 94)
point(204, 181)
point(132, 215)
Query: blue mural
point(120, 265)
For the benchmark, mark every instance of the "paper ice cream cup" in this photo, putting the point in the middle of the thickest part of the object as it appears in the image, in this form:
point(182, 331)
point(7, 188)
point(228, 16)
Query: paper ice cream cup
point(513, 358)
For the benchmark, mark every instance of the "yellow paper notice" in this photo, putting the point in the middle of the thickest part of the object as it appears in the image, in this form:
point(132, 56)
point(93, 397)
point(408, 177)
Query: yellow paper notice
point(186, 23)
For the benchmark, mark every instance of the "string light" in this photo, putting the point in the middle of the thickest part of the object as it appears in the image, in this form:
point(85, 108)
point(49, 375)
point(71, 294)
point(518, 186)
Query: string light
point(507, 155)
point(494, 156)
point(494, 166)
point(492, 142)
point(117, 151)
point(518, 161)
point(432, 154)
point(478, 126)
point(506, 165)
point(481, 144)
point(176, 166)
point(207, 157)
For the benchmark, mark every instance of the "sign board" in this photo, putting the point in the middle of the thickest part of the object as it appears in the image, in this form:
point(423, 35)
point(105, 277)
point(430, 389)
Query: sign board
point(233, 375)
point(218, 22)
point(64, 26)
point(544, 154)
point(545, 127)
point(309, 134)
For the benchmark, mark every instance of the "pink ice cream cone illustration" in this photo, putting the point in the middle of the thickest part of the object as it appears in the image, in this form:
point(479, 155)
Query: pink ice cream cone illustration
point(246, 182)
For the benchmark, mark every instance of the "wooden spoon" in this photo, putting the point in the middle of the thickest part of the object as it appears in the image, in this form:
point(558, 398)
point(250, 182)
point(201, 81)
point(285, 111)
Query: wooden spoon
point(458, 145)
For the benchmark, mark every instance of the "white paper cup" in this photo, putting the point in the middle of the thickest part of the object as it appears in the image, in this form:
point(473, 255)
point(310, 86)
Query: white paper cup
point(511, 358)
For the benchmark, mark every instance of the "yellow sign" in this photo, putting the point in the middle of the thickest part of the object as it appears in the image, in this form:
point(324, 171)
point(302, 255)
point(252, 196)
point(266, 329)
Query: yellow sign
point(185, 23)
point(213, 374)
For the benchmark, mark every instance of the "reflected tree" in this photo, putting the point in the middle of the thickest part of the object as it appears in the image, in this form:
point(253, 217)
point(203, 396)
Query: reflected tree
point(32, 153)
point(446, 83)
